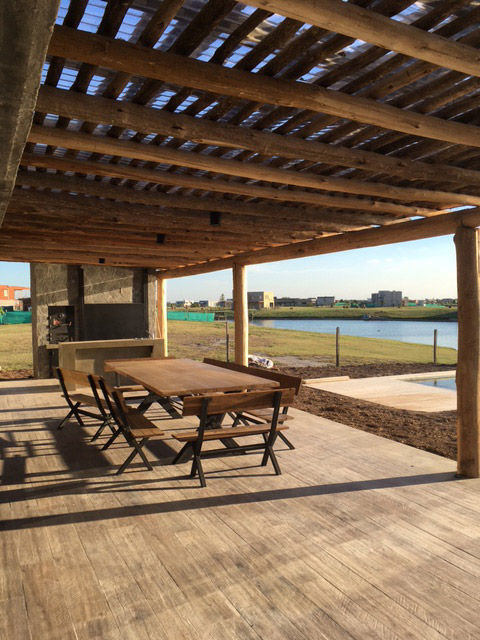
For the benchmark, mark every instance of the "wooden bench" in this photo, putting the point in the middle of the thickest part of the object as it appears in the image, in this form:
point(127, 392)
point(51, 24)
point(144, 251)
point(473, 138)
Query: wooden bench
point(211, 410)
point(262, 415)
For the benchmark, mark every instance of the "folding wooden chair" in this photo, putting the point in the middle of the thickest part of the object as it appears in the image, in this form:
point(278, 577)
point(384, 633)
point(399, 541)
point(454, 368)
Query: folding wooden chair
point(260, 416)
point(108, 419)
point(213, 407)
point(130, 422)
point(78, 393)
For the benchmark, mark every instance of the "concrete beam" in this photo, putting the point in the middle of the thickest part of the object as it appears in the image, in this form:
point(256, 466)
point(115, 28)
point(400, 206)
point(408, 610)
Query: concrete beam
point(25, 30)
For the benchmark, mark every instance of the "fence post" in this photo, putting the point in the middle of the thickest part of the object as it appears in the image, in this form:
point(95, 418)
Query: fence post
point(337, 346)
point(227, 341)
point(435, 334)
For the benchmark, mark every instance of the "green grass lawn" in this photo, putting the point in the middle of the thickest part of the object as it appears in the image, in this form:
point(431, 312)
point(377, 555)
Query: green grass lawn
point(15, 346)
point(201, 339)
point(208, 339)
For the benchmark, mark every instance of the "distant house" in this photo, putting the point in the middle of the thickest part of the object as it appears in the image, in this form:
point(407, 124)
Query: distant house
point(295, 302)
point(260, 300)
point(11, 296)
point(387, 299)
point(183, 303)
point(325, 301)
point(207, 303)
point(448, 302)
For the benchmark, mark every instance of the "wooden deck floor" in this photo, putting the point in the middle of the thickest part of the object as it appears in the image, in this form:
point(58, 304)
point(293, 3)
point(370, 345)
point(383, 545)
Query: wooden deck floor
point(360, 538)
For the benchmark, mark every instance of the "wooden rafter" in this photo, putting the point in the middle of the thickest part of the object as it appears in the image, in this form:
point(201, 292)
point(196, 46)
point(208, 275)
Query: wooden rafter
point(125, 148)
point(167, 67)
point(139, 118)
point(269, 220)
point(370, 26)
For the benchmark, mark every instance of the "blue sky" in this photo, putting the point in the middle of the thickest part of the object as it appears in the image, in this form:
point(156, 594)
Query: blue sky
point(421, 269)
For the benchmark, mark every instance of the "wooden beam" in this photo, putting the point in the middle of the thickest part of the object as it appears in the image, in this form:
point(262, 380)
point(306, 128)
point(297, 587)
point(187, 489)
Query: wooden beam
point(121, 235)
point(175, 179)
point(16, 254)
point(161, 324)
point(26, 27)
point(156, 198)
point(180, 70)
point(162, 154)
point(31, 245)
point(468, 367)
point(273, 226)
point(240, 313)
point(128, 115)
point(369, 26)
point(106, 243)
point(398, 232)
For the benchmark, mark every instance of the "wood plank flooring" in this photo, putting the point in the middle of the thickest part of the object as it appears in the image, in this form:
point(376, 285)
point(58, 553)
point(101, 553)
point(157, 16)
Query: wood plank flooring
point(359, 538)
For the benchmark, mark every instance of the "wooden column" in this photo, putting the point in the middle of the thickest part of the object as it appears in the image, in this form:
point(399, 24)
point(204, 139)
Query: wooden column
point(240, 311)
point(468, 368)
point(161, 331)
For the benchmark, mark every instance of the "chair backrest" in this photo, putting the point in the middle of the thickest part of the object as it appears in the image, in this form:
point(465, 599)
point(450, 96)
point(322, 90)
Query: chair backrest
point(285, 381)
point(224, 402)
point(114, 400)
point(97, 391)
point(70, 380)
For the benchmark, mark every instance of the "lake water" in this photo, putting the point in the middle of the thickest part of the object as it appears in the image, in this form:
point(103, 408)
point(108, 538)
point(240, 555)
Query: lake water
point(402, 330)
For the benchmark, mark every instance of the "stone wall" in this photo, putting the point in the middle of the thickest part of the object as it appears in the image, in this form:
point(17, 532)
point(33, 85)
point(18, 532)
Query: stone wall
point(56, 284)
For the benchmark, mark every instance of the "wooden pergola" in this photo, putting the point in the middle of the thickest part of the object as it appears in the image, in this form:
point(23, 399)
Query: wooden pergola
point(189, 136)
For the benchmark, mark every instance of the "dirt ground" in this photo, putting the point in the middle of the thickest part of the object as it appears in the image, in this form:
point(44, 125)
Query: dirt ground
point(18, 374)
point(434, 432)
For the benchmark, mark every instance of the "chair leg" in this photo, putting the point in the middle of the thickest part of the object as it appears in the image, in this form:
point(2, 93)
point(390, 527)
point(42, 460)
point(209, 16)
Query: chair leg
point(141, 453)
point(193, 471)
point(179, 455)
point(286, 440)
point(77, 415)
point(72, 412)
point(137, 449)
point(65, 419)
point(112, 439)
point(198, 467)
point(127, 462)
point(274, 460)
point(99, 431)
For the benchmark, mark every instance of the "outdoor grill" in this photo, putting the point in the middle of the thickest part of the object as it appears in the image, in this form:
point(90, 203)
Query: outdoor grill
point(60, 324)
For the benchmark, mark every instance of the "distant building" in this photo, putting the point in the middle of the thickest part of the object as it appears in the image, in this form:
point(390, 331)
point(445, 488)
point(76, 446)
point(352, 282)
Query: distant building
point(295, 302)
point(325, 301)
point(11, 296)
point(260, 300)
point(207, 303)
point(183, 303)
point(387, 299)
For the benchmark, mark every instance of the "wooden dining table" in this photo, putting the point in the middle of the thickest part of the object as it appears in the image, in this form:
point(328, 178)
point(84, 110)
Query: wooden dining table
point(167, 378)
point(171, 377)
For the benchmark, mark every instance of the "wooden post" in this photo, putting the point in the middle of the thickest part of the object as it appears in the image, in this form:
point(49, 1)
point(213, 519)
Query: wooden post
point(240, 313)
point(227, 342)
point(435, 340)
point(162, 313)
point(468, 367)
point(337, 347)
